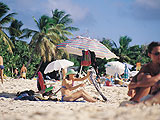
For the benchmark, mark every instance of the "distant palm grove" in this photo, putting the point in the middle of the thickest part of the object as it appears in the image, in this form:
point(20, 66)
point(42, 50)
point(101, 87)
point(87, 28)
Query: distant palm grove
point(52, 30)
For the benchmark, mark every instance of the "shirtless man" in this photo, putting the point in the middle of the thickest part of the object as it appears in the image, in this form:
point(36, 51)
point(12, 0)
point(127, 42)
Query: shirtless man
point(23, 72)
point(147, 81)
point(1, 68)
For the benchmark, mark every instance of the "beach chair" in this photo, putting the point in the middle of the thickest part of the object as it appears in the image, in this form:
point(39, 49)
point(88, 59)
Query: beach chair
point(42, 86)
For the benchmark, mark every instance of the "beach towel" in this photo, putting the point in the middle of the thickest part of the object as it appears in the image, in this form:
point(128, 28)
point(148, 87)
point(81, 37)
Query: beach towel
point(42, 87)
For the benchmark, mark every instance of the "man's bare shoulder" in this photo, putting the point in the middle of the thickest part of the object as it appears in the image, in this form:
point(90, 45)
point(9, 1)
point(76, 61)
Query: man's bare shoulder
point(146, 68)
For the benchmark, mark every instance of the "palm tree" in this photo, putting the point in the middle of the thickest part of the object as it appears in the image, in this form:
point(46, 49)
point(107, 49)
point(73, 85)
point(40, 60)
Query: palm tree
point(138, 53)
point(4, 19)
point(63, 21)
point(122, 51)
point(108, 43)
point(15, 30)
point(61, 18)
point(43, 41)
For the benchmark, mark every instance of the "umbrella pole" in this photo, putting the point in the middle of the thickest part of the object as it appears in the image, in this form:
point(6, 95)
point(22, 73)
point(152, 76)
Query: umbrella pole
point(80, 71)
point(60, 75)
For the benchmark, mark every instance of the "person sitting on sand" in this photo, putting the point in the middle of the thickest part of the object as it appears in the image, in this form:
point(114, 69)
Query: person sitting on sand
point(1, 68)
point(148, 79)
point(23, 72)
point(67, 87)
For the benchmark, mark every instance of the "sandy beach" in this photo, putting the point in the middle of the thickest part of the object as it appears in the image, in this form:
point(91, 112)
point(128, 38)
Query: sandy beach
point(49, 110)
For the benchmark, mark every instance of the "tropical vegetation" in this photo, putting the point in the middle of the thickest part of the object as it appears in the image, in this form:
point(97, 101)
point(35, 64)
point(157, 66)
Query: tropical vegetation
point(52, 30)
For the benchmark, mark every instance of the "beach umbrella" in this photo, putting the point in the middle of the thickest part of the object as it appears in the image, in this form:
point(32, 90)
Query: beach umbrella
point(58, 65)
point(114, 67)
point(129, 66)
point(133, 73)
point(76, 45)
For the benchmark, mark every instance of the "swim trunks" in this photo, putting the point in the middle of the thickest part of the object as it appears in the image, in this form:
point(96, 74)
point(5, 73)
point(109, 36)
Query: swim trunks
point(1, 67)
point(23, 74)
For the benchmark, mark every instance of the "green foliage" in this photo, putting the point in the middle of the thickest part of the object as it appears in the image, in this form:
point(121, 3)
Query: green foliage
point(4, 19)
point(76, 59)
point(20, 56)
point(52, 31)
point(129, 54)
point(108, 43)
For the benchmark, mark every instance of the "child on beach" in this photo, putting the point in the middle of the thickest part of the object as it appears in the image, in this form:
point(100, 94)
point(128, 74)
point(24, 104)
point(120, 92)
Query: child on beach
point(16, 74)
point(67, 87)
point(145, 86)
point(1, 68)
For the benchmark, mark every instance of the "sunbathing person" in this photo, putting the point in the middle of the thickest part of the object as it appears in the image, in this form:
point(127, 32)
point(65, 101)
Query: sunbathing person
point(145, 85)
point(1, 68)
point(67, 87)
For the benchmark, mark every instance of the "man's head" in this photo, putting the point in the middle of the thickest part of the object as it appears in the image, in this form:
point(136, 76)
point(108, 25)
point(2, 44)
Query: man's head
point(152, 45)
point(154, 52)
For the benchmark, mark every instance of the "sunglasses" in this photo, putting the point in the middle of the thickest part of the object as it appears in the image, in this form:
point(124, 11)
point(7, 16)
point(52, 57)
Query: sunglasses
point(156, 53)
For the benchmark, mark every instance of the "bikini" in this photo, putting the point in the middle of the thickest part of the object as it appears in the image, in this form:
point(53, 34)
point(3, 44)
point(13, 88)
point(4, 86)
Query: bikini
point(63, 95)
point(65, 88)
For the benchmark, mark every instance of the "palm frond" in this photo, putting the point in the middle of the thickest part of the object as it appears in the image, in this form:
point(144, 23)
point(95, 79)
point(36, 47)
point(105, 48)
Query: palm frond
point(28, 33)
point(66, 20)
point(3, 9)
point(7, 18)
point(38, 25)
point(34, 39)
point(7, 41)
point(72, 29)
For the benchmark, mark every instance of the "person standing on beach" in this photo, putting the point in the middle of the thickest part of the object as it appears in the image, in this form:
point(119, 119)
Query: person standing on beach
point(23, 71)
point(16, 74)
point(145, 86)
point(1, 68)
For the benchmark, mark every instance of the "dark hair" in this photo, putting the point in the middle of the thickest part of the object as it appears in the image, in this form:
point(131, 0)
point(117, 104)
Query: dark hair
point(152, 45)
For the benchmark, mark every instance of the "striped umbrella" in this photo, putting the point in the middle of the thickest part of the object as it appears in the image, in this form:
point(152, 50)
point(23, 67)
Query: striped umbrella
point(76, 45)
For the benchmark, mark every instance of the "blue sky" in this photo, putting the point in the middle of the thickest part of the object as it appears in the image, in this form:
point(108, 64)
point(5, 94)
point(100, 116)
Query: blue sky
point(138, 19)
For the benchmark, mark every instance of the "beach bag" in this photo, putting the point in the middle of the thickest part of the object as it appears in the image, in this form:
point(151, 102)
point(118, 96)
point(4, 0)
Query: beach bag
point(29, 92)
point(86, 58)
point(26, 95)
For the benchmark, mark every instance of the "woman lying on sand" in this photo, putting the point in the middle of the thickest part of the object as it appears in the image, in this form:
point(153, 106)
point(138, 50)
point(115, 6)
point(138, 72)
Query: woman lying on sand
point(67, 87)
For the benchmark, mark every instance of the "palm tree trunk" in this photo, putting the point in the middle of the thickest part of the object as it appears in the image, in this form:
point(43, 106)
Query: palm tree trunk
point(12, 71)
point(38, 68)
point(29, 61)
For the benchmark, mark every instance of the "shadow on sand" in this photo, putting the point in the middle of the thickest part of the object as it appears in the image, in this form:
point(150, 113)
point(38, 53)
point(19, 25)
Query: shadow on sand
point(7, 95)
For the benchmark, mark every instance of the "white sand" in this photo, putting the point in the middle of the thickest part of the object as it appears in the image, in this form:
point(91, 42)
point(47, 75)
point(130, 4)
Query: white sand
point(11, 109)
